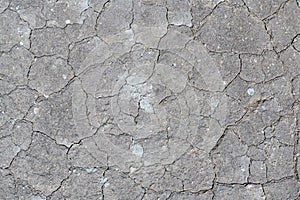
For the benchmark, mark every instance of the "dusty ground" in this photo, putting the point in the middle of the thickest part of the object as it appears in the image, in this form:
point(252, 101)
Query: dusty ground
point(149, 99)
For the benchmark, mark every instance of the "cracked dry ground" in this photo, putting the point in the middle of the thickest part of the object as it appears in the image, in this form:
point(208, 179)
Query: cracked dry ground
point(149, 99)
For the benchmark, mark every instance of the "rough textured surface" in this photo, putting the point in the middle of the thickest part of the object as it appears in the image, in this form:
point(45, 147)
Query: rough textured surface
point(150, 99)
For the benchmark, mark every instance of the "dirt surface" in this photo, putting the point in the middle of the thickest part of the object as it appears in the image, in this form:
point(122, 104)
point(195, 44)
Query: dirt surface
point(149, 99)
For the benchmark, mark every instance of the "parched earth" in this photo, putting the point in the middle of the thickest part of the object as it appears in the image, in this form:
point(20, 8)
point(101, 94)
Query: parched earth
point(150, 99)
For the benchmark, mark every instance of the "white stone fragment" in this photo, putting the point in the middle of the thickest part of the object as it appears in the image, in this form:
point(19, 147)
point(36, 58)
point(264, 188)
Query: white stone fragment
point(38, 197)
point(91, 170)
point(36, 110)
point(250, 91)
point(137, 150)
point(103, 180)
point(146, 106)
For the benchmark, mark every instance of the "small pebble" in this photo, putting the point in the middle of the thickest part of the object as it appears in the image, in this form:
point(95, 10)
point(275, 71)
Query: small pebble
point(137, 150)
point(250, 91)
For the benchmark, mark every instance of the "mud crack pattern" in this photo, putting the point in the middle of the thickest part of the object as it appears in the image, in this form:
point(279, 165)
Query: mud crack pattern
point(144, 99)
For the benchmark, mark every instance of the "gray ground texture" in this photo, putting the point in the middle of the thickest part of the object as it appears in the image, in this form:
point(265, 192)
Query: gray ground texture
point(150, 99)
